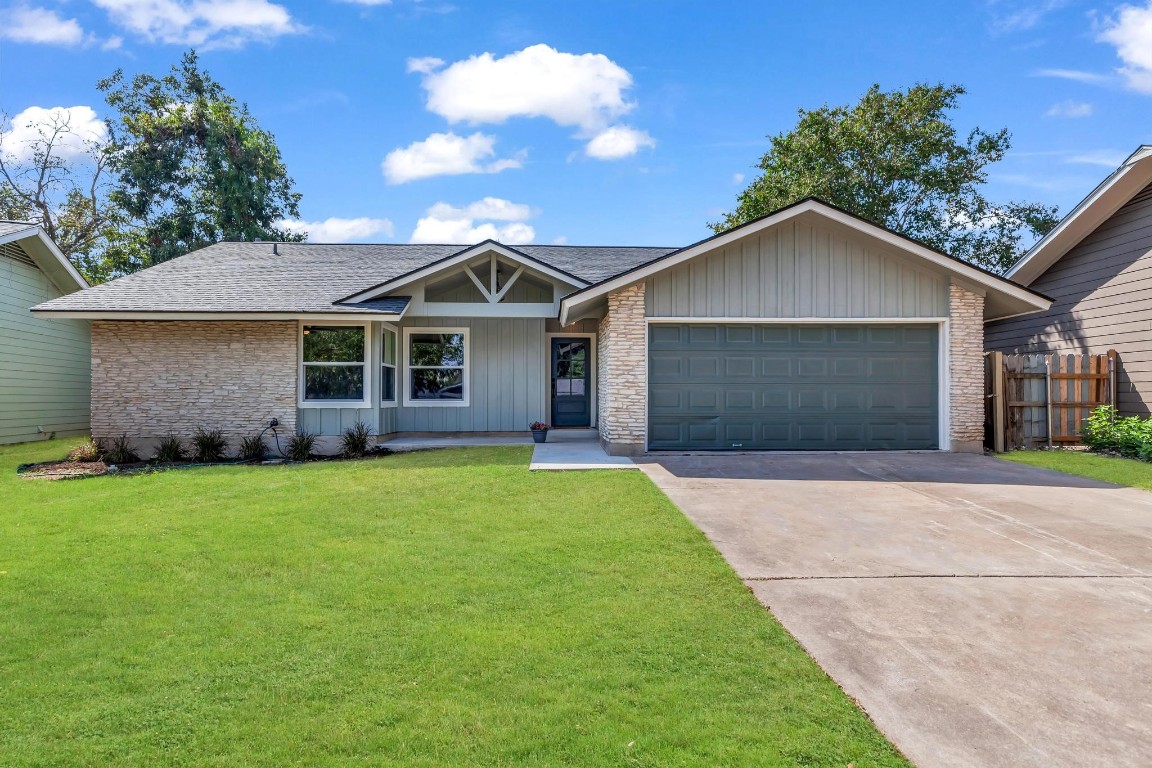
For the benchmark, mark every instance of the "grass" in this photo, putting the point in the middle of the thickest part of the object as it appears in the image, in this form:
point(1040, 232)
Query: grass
point(1130, 472)
point(431, 609)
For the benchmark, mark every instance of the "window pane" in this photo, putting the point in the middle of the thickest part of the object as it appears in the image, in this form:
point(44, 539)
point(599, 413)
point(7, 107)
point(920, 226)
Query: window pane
point(388, 384)
point(437, 384)
point(333, 382)
point(389, 347)
point(333, 344)
point(436, 349)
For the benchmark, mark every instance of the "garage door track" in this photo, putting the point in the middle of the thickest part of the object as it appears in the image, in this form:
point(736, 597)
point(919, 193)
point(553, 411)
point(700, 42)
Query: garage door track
point(983, 613)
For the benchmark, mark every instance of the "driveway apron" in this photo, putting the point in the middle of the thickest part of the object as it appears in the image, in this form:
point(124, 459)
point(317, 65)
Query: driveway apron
point(983, 613)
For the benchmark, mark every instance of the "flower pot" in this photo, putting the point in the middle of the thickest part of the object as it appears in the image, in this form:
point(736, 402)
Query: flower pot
point(539, 435)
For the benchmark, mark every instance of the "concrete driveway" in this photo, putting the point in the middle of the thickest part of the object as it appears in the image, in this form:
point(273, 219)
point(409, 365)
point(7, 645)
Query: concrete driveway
point(983, 613)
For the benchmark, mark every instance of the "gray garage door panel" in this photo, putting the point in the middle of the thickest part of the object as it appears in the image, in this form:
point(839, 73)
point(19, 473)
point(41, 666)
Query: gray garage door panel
point(793, 387)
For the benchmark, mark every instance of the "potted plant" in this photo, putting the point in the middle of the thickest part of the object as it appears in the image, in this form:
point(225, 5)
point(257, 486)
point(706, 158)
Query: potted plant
point(539, 431)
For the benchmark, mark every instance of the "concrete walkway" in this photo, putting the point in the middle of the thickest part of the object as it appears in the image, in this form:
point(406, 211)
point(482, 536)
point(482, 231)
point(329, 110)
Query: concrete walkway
point(575, 449)
point(983, 613)
point(565, 449)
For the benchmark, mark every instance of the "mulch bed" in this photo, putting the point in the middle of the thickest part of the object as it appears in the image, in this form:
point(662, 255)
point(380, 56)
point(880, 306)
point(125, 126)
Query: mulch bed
point(62, 470)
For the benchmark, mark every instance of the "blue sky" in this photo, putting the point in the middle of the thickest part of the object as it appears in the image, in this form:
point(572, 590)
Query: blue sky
point(593, 122)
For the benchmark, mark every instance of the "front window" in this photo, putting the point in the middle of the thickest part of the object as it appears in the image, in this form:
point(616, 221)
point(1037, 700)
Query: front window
point(388, 367)
point(437, 367)
point(333, 360)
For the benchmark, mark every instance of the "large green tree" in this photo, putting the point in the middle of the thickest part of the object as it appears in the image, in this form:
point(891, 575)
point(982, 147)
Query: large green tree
point(193, 167)
point(896, 159)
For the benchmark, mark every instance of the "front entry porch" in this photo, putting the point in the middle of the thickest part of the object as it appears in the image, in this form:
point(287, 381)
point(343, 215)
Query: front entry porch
point(566, 449)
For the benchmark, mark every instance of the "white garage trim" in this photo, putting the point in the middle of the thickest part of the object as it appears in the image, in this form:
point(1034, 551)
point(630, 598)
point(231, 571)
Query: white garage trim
point(944, 385)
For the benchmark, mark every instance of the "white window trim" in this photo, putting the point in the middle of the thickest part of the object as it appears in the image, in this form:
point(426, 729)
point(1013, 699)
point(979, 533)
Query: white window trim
point(366, 402)
point(466, 379)
point(396, 368)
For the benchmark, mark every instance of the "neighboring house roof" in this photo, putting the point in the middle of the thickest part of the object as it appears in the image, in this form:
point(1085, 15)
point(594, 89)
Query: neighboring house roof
point(35, 242)
point(1011, 297)
point(306, 278)
point(1112, 194)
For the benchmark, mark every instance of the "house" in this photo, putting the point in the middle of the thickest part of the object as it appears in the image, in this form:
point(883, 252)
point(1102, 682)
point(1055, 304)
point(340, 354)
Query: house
point(44, 366)
point(1096, 264)
point(806, 329)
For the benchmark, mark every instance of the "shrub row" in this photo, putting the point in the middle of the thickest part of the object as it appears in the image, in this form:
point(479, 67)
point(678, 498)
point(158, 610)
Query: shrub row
point(210, 446)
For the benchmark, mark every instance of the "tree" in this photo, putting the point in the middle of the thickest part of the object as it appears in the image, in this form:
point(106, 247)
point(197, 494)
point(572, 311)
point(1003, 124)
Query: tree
point(193, 166)
point(52, 173)
point(895, 159)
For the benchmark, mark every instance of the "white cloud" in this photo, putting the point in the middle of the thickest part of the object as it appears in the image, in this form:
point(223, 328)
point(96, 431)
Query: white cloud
point(1130, 31)
point(1070, 109)
point(617, 142)
point(80, 128)
point(445, 223)
point(424, 64)
point(737, 179)
point(446, 154)
point(24, 24)
point(584, 90)
point(202, 23)
point(1022, 17)
point(1077, 75)
point(337, 230)
point(1106, 158)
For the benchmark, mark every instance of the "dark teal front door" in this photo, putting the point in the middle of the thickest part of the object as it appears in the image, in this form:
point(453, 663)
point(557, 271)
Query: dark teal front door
point(714, 386)
point(571, 383)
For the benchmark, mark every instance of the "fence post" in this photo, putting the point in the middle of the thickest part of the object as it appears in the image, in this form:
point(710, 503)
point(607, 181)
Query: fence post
point(1048, 395)
point(1113, 375)
point(999, 404)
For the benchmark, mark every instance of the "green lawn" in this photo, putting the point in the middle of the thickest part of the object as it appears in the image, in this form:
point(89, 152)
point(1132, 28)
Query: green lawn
point(1137, 474)
point(433, 609)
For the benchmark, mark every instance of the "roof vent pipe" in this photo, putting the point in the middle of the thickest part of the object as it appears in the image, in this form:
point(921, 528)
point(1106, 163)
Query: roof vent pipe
point(274, 251)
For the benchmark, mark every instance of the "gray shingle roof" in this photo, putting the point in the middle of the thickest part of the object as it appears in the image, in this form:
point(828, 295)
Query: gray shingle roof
point(306, 277)
point(8, 227)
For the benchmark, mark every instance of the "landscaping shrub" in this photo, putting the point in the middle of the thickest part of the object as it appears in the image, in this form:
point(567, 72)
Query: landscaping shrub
point(209, 445)
point(120, 452)
point(300, 446)
point(253, 448)
point(87, 451)
point(356, 440)
point(171, 450)
point(1130, 436)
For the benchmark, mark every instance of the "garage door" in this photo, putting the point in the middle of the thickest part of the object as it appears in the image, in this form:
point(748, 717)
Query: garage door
point(793, 387)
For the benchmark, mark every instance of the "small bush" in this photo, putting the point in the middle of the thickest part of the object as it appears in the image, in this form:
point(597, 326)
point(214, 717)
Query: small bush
point(88, 451)
point(171, 450)
point(120, 452)
point(1130, 436)
point(356, 440)
point(209, 445)
point(300, 446)
point(253, 448)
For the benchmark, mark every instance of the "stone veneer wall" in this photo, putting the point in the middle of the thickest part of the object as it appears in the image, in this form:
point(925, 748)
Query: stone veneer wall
point(151, 379)
point(966, 369)
point(622, 373)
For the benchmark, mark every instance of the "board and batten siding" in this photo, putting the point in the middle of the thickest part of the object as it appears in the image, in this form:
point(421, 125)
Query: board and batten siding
point(801, 268)
point(1102, 299)
point(508, 361)
point(507, 364)
point(45, 364)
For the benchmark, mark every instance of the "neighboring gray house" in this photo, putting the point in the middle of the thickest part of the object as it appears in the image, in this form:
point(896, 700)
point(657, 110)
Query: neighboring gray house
point(806, 329)
point(44, 365)
point(1096, 265)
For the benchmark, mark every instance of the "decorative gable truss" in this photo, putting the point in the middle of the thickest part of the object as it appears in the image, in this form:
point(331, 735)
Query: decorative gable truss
point(488, 280)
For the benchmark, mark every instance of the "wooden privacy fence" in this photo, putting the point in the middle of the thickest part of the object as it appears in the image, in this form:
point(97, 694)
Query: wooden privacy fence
point(1038, 400)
